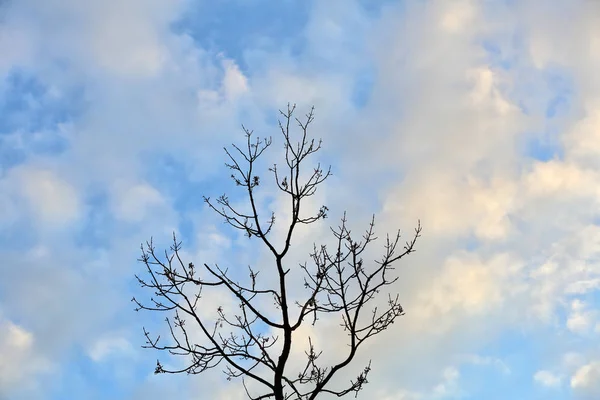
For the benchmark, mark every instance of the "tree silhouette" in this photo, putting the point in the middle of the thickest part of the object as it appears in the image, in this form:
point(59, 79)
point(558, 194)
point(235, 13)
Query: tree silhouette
point(337, 281)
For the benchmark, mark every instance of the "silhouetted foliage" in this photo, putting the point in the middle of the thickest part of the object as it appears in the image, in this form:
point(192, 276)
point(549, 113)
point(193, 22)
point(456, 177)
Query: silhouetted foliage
point(337, 281)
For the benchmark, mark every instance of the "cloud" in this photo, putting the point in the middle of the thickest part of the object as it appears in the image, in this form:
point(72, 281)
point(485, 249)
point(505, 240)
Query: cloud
point(547, 378)
point(19, 358)
point(109, 346)
point(586, 380)
point(448, 386)
point(487, 361)
point(448, 129)
point(466, 285)
point(53, 201)
point(133, 202)
point(580, 320)
point(118, 38)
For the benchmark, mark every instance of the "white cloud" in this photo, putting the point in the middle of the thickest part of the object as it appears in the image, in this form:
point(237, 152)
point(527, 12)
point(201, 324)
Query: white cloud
point(122, 38)
point(233, 86)
point(479, 206)
point(108, 346)
point(133, 202)
point(561, 180)
point(125, 41)
point(235, 83)
point(583, 286)
point(580, 320)
point(19, 359)
point(573, 360)
point(448, 386)
point(465, 285)
point(582, 140)
point(547, 378)
point(53, 200)
point(442, 116)
point(487, 361)
point(586, 379)
point(456, 17)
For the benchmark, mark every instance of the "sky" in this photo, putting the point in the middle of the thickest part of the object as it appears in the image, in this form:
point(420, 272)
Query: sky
point(481, 118)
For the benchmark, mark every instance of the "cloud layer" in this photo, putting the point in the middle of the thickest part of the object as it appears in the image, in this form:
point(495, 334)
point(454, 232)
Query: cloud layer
point(481, 118)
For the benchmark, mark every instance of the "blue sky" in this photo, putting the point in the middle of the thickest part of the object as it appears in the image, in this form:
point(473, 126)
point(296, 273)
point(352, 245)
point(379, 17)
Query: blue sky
point(480, 118)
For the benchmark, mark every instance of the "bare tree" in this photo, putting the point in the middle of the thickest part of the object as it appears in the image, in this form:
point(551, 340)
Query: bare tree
point(337, 281)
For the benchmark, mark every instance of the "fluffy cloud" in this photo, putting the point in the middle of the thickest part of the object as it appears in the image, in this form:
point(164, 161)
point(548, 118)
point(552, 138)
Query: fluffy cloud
point(580, 320)
point(547, 378)
point(109, 346)
point(52, 200)
point(19, 361)
point(480, 118)
point(586, 380)
point(133, 202)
